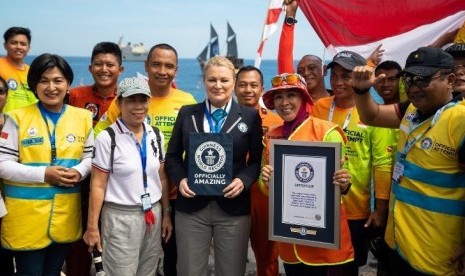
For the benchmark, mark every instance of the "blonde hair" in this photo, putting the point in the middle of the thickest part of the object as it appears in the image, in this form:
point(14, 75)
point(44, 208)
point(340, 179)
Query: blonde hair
point(220, 61)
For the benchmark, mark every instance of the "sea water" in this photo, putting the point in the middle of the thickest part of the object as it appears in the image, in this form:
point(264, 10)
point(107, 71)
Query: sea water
point(188, 78)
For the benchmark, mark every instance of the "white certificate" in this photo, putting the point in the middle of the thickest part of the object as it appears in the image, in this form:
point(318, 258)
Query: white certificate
point(304, 192)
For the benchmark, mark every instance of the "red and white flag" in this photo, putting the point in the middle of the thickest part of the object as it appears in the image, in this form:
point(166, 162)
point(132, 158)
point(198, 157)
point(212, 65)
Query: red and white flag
point(400, 25)
point(271, 25)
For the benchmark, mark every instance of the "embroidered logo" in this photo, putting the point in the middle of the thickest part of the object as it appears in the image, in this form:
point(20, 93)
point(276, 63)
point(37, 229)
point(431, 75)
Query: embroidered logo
point(242, 127)
point(92, 108)
point(32, 132)
point(12, 84)
point(70, 138)
point(32, 141)
point(426, 143)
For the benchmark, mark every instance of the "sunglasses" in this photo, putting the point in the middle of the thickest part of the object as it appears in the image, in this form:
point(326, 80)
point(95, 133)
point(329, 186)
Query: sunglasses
point(3, 90)
point(419, 81)
point(291, 79)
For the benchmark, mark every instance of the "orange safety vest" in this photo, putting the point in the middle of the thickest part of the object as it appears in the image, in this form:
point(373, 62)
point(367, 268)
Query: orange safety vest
point(314, 129)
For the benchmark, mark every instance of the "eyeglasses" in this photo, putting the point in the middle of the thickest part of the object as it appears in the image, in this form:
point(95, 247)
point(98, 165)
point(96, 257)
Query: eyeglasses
point(288, 79)
point(3, 90)
point(419, 81)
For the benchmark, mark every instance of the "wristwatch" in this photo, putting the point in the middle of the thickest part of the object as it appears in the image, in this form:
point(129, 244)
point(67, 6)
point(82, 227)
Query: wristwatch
point(290, 20)
point(359, 91)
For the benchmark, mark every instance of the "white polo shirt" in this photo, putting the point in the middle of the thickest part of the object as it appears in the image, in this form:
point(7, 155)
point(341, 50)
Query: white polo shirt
point(125, 185)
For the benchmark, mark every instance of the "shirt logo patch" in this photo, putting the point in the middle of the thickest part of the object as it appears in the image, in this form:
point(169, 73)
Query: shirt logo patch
point(70, 138)
point(242, 127)
point(12, 84)
point(426, 143)
point(92, 108)
point(32, 141)
point(32, 132)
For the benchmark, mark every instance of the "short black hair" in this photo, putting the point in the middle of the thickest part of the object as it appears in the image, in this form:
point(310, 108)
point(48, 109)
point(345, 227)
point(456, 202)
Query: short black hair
point(44, 62)
point(107, 48)
point(163, 46)
point(250, 68)
point(388, 65)
point(17, 31)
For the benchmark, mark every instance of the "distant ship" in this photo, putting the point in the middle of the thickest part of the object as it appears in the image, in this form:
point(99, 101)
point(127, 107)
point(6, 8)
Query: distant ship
point(213, 49)
point(132, 52)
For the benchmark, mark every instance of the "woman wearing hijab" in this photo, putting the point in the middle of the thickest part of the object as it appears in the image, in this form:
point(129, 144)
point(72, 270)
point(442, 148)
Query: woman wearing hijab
point(291, 100)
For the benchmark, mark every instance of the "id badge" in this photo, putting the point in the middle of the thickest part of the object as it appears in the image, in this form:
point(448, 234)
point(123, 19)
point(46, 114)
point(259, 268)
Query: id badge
point(398, 171)
point(146, 203)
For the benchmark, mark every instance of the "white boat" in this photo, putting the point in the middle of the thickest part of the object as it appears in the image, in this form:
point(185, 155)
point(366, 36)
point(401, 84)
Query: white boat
point(132, 52)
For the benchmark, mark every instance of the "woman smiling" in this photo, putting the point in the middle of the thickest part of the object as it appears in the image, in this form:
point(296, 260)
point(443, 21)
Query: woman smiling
point(224, 216)
point(45, 150)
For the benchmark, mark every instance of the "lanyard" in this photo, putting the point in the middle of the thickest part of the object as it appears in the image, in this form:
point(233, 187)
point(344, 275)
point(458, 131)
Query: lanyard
point(413, 126)
point(215, 127)
point(143, 157)
point(331, 115)
point(142, 147)
point(51, 136)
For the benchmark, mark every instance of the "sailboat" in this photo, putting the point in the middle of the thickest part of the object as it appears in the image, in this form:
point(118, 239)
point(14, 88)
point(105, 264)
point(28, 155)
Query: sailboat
point(212, 48)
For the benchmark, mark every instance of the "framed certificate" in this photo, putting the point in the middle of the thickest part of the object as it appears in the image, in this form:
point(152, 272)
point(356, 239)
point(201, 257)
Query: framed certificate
point(304, 203)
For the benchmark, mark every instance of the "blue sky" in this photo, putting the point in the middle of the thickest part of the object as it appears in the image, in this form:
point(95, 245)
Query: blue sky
point(73, 27)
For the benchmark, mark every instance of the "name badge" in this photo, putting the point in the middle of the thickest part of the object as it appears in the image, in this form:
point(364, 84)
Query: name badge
point(398, 171)
point(146, 202)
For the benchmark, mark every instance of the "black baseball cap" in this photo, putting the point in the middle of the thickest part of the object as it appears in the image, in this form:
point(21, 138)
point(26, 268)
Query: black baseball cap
point(456, 50)
point(347, 59)
point(426, 61)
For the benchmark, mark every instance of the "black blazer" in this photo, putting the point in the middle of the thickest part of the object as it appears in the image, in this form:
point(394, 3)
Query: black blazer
point(247, 151)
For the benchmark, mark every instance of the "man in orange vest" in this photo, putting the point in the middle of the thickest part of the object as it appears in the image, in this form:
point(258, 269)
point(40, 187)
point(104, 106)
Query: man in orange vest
point(248, 90)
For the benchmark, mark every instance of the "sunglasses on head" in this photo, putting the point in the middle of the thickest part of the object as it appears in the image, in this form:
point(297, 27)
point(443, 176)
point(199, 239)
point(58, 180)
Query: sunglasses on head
point(288, 79)
point(3, 90)
point(419, 81)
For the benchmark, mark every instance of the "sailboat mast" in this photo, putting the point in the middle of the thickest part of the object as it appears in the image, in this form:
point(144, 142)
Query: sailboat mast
point(214, 43)
point(231, 42)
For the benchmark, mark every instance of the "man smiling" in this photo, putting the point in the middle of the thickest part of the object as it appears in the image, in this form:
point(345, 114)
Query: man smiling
point(14, 70)
point(426, 211)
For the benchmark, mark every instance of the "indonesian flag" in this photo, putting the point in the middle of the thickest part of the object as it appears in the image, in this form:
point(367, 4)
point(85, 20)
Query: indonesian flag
point(400, 25)
point(271, 25)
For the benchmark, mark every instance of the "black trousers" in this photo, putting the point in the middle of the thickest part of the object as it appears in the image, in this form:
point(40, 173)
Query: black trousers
point(169, 248)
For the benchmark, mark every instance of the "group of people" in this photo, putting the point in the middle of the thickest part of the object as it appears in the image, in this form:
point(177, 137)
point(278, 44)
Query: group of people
point(101, 167)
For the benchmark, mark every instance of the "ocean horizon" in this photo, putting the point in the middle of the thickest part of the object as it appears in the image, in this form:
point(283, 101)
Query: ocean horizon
point(188, 78)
